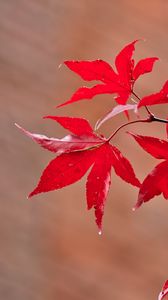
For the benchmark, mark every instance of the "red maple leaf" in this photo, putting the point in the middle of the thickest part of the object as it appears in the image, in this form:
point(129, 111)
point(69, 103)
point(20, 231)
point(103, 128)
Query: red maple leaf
point(164, 291)
point(120, 82)
point(155, 182)
point(78, 154)
point(157, 98)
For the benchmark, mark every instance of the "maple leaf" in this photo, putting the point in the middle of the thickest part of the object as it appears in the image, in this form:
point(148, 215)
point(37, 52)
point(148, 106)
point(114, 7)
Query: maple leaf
point(157, 98)
point(156, 182)
point(71, 165)
point(120, 82)
point(164, 291)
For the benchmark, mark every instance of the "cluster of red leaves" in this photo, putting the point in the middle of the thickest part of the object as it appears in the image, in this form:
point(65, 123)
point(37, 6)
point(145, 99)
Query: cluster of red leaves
point(164, 292)
point(83, 149)
point(79, 152)
point(157, 181)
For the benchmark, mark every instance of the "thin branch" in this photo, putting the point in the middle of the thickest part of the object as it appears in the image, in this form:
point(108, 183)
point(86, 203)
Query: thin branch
point(159, 120)
point(129, 123)
point(147, 109)
point(150, 119)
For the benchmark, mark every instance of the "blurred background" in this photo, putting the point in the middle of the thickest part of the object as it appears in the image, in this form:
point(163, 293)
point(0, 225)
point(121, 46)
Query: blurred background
point(50, 248)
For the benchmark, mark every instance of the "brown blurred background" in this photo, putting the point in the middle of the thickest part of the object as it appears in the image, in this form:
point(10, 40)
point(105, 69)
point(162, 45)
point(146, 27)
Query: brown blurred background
point(50, 248)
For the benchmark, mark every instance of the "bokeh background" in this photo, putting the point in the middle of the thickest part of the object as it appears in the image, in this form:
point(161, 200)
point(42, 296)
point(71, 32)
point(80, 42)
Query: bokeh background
point(49, 246)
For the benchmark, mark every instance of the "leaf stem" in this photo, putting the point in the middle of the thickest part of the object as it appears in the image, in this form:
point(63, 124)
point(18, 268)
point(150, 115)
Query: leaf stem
point(155, 119)
point(150, 119)
point(147, 109)
point(129, 123)
point(151, 115)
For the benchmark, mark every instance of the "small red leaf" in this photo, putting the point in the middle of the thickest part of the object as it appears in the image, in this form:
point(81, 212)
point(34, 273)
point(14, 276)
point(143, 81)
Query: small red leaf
point(154, 184)
point(78, 126)
point(98, 182)
point(123, 168)
point(64, 170)
point(156, 147)
point(123, 63)
point(115, 111)
point(67, 144)
point(164, 291)
point(93, 70)
point(88, 93)
point(144, 66)
point(158, 98)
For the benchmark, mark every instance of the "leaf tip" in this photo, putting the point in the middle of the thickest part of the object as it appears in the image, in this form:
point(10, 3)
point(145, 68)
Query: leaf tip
point(131, 134)
point(46, 117)
point(134, 208)
point(60, 65)
point(58, 106)
point(97, 125)
point(17, 125)
point(100, 232)
point(63, 104)
point(66, 62)
point(29, 196)
point(22, 129)
point(34, 192)
point(137, 205)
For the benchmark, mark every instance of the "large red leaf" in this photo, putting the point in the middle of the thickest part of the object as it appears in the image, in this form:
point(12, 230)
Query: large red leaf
point(64, 170)
point(93, 70)
point(156, 147)
point(144, 66)
point(71, 165)
point(123, 168)
point(154, 184)
point(99, 70)
point(78, 126)
point(164, 291)
point(98, 182)
point(158, 98)
point(67, 144)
